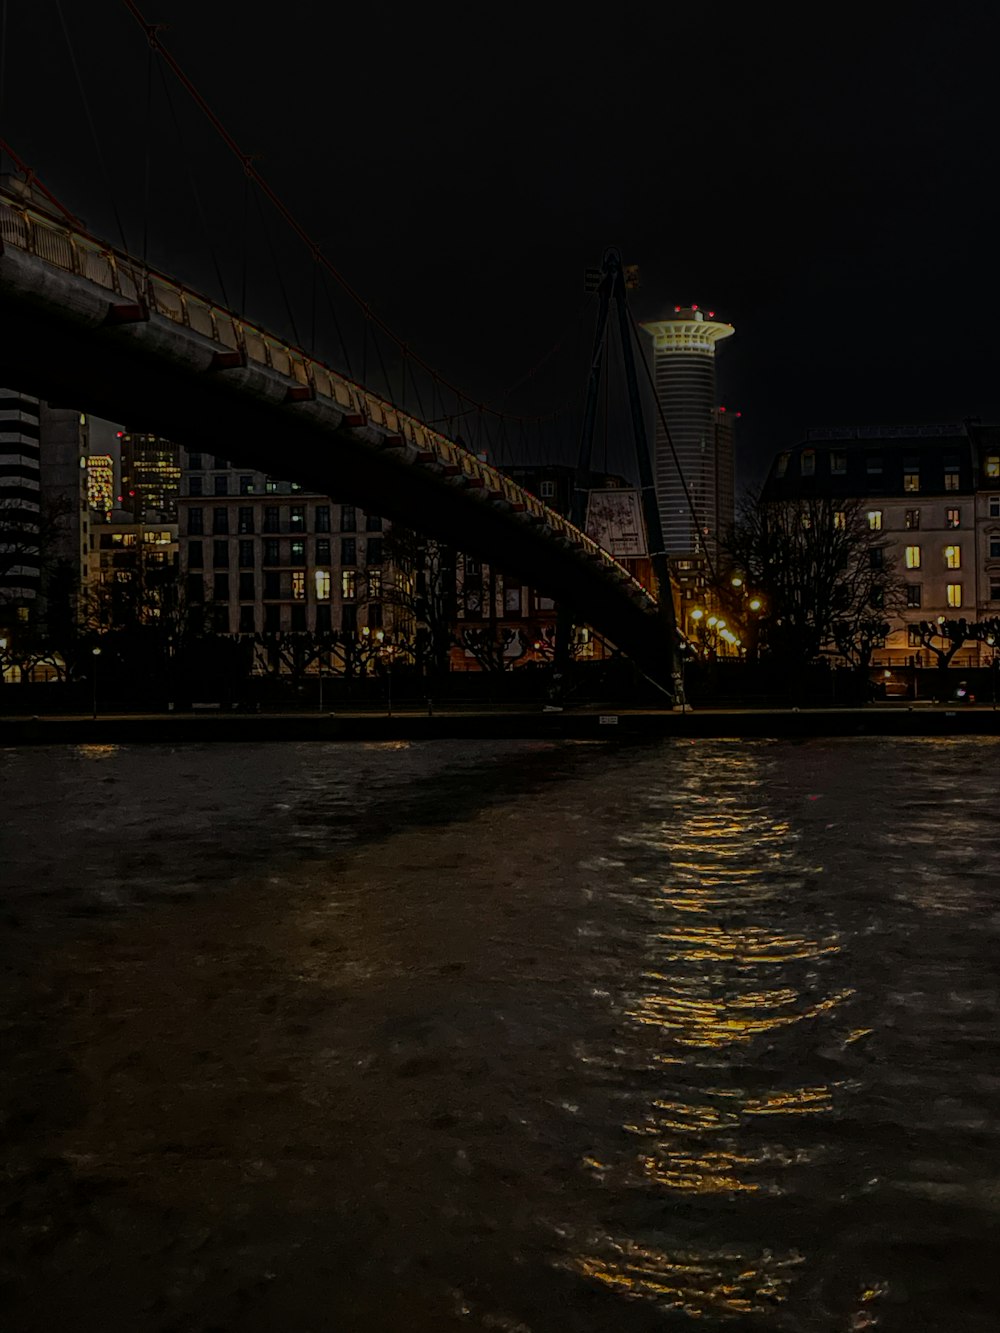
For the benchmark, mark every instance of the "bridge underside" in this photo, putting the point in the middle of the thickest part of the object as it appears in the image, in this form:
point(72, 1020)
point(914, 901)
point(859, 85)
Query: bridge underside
point(157, 377)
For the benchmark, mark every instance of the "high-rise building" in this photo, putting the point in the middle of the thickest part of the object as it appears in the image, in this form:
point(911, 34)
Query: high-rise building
point(20, 501)
point(101, 484)
point(698, 471)
point(151, 475)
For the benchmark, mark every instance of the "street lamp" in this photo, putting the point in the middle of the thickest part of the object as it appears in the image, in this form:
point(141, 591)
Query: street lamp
point(96, 654)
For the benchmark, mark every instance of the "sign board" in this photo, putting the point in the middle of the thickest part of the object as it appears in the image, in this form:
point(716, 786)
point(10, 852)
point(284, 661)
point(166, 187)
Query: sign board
point(609, 720)
point(614, 521)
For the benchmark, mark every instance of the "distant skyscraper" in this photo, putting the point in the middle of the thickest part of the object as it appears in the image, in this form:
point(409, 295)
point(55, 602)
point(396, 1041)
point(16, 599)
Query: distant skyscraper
point(684, 371)
point(151, 475)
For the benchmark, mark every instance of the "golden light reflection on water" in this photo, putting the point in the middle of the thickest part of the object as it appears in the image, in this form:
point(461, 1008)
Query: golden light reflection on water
point(721, 961)
point(96, 751)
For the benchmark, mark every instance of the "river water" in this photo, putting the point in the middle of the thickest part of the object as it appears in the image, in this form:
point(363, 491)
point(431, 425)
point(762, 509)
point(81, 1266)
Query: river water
point(524, 1036)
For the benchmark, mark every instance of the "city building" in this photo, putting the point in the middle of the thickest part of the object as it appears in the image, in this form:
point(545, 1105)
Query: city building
point(694, 466)
point(101, 484)
point(265, 557)
point(933, 492)
point(151, 473)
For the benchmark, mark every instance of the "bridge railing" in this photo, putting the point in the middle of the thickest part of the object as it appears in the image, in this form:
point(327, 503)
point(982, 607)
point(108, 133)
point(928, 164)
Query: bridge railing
point(28, 229)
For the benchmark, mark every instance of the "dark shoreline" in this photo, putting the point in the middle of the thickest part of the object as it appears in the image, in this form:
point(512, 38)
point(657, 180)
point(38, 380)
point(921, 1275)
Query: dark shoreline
point(609, 725)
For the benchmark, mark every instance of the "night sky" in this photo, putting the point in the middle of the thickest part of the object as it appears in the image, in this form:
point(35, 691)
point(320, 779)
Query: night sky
point(828, 188)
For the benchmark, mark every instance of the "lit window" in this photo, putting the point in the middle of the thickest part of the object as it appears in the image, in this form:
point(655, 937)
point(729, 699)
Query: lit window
point(953, 518)
point(913, 638)
point(911, 481)
point(838, 464)
point(913, 594)
point(875, 520)
point(348, 584)
point(953, 557)
point(912, 557)
point(911, 519)
point(246, 485)
point(298, 584)
point(322, 584)
point(840, 519)
point(808, 463)
point(954, 595)
point(993, 465)
point(374, 583)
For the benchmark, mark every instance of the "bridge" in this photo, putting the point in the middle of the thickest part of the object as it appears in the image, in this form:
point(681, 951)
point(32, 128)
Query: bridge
point(94, 328)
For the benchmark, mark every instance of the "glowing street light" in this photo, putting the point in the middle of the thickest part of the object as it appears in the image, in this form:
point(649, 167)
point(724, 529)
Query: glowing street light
point(96, 653)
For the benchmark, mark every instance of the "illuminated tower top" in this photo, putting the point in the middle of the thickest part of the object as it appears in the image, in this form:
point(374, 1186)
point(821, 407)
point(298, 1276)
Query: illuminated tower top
point(690, 330)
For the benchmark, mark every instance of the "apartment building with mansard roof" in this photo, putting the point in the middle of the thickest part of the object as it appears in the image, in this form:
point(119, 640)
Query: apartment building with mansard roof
point(933, 492)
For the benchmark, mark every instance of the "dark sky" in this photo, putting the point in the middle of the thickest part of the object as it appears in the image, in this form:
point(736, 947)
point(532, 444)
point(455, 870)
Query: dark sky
point(828, 186)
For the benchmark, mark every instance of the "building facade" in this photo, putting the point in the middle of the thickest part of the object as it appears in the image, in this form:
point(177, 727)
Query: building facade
point(933, 494)
point(694, 464)
point(151, 474)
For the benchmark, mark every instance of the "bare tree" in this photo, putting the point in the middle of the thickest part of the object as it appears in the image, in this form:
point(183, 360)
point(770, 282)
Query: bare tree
point(823, 573)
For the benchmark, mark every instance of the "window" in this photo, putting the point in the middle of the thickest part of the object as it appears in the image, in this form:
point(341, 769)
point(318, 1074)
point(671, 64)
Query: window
point(196, 557)
point(913, 639)
point(272, 584)
point(954, 595)
point(246, 485)
point(220, 555)
point(195, 486)
point(272, 521)
point(808, 462)
point(246, 620)
point(873, 465)
point(221, 485)
point(839, 521)
point(218, 462)
point(374, 583)
point(951, 474)
point(512, 601)
point(953, 557)
point(912, 557)
point(348, 584)
point(194, 461)
point(349, 618)
point(322, 550)
point(298, 584)
point(373, 523)
point(995, 548)
point(993, 465)
point(298, 518)
point(953, 518)
point(877, 600)
point(246, 555)
point(913, 594)
point(875, 520)
point(838, 464)
point(876, 557)
point(247, 593)
point(322, 518)
point(473, 569)
point(547, 490)
point(348, 551)
point(995, 506)
point(244, 519)
point(995, 590)
point(324, 622)
point(298, 552)
point(911, 481)
point(322, 577)
point(220, 588)
point(272, 619)
point(270, 486)
point(196, 521)
point(195, 589)
point(375, 615)
point(373, 551)
point(272, 551)
point(348, 519)
point(220, 520)
point(911, 520)
point(298, 619)
point(782, 465)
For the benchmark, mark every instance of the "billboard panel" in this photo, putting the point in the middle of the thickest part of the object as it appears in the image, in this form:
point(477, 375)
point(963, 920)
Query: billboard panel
point(614, 521)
